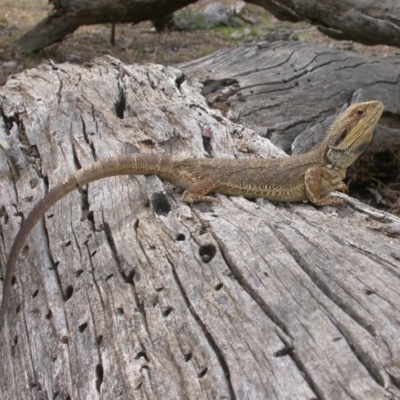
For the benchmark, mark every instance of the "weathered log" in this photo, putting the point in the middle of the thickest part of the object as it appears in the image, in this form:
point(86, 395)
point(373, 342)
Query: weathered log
point(123, 291)
point(289, 92)
point(364, 21)
point(69, 15)
point(368, 22)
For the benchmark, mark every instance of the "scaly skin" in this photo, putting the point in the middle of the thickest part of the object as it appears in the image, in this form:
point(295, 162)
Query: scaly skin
point(311, 176)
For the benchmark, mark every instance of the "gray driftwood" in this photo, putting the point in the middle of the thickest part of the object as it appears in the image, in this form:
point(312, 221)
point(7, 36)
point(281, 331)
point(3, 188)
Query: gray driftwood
point(290, 92)
point(125, 292)
point(369, 22)
point(364, 21)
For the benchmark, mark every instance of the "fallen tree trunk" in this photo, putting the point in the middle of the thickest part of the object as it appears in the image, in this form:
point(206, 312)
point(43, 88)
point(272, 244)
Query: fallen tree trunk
point(124, 291)
point(69, 15)
point(368, 22)
point(289, 92)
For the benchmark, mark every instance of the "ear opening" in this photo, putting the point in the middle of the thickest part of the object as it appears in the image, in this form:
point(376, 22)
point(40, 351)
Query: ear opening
point(339, 139)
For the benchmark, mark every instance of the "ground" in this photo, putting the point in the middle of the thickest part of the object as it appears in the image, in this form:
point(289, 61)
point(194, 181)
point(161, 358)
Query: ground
point(140, 43)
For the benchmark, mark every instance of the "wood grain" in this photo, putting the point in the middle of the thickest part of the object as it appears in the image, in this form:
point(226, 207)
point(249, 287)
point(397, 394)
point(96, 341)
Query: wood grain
point(125, 292)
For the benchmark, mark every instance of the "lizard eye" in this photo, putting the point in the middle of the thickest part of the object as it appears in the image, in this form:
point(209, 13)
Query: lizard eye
point(360, 112)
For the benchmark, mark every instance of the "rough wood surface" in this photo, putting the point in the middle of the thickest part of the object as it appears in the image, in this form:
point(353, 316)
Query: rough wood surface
point(125, 292)
point(364, 21)
point(290, 92)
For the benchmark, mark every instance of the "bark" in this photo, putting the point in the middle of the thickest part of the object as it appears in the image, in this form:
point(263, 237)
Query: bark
point(366, 21)
point(123, 291)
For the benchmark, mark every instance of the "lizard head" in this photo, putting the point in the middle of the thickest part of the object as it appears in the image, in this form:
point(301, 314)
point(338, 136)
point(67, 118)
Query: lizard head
point(352, 132)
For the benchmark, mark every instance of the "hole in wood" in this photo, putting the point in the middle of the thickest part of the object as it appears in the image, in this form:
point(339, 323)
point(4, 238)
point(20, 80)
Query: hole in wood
point(207, 252)
point(207, 144)
point(35, 293)
point(179, 80)
point(99, 340)
point(160, 203)
point(108, 277)
point(67, 244)
point(64, 339)
point(99, 376)
point(202, 372)
point(48, 315)
point(90, 216)
point(69, 290)
point(180, 237)
point(167, 311)
point(82, 327)
point(129, 278)
point(119, 310)
point(187, 357)
point(141, 354)
point(218, 286)
point(148, 142)
point(79, 272)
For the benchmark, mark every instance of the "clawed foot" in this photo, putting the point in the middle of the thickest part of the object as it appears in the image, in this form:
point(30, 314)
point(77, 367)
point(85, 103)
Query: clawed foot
point(198, 199)
point(343, 188)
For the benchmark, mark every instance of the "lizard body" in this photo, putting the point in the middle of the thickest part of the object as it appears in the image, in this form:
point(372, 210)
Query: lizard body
point(310, 176)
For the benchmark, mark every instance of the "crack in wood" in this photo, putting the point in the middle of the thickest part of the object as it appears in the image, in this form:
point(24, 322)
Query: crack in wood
point(210, 340)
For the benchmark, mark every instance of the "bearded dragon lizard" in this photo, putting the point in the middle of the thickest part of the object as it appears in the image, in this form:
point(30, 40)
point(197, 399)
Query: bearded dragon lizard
point(310, 176)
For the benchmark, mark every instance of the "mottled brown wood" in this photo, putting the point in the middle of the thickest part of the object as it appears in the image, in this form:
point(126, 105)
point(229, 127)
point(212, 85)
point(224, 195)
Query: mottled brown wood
point(125, 292)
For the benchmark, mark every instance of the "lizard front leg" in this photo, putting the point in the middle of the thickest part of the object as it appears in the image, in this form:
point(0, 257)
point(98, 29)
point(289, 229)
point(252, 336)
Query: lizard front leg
point(319, 181)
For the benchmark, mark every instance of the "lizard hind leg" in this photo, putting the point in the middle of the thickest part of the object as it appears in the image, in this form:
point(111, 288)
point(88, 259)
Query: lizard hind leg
point(199, 190)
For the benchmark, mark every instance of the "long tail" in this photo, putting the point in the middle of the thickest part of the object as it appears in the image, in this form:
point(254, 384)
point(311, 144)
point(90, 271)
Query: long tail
point(129, 164)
